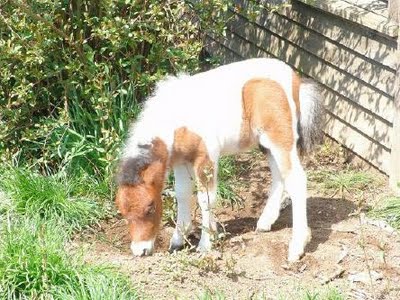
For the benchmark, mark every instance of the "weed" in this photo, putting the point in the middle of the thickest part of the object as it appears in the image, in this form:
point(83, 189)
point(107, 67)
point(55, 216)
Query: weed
point(211, 295)
point(227, 173)
point(329, 293)
point(389, 211)
point(346, 181)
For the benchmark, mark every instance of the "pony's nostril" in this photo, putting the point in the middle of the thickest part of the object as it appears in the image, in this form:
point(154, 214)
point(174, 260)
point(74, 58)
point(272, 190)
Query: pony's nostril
point(142, 248)
point(147, 252)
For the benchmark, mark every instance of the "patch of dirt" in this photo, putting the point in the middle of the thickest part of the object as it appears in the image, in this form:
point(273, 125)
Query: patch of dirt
point(359, 259)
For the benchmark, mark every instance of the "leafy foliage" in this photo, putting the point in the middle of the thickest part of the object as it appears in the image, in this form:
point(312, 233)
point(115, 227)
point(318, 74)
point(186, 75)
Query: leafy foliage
point(78, 69)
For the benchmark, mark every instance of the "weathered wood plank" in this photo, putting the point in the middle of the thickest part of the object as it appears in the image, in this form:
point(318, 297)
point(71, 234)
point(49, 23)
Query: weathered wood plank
point(350, 35)
point(352, 114)
point(375, 6)
point(348, 86)
point(332, 53)
point(223, 52)
point(356, 14)
point(394, 7)
point(358, 143)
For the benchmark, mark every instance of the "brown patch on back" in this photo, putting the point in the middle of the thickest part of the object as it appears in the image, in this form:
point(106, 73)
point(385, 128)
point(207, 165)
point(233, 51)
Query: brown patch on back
point(296, 81)
point(246, 134)
point(190, 147)
point(266, 107)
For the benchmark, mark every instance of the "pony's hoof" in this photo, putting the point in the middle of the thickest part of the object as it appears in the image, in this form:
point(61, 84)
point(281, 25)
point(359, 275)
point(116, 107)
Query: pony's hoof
point(204, 246)
point(297, 246)
point(175, 247)
point(263, 226)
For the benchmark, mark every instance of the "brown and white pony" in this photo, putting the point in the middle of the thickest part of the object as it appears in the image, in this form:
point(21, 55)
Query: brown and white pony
point(191, 121)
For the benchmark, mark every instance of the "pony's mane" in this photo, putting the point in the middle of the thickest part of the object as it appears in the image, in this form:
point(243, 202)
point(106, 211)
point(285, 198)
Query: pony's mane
point(130, 167)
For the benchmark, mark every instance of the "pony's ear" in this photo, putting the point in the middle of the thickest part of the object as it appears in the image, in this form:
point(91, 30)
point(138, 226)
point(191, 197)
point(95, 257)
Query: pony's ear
point(154, 174)
point(120, 200)
point(129, 171)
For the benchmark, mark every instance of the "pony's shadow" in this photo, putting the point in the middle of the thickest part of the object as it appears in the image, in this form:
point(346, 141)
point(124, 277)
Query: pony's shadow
point(322, 213)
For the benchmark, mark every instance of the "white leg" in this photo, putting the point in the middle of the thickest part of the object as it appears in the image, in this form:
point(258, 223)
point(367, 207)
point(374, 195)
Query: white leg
point(272, 208)
point(296, 186)
point(183, 190)
point(206, 197)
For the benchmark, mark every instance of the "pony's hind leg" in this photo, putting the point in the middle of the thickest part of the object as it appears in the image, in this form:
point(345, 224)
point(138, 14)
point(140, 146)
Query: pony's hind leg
point(272, 208)
point(296, 186)
point(183, 189)
point(295, 183)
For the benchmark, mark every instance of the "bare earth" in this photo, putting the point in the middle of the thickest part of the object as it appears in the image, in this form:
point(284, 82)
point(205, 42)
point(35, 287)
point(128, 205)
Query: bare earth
point(347, 251)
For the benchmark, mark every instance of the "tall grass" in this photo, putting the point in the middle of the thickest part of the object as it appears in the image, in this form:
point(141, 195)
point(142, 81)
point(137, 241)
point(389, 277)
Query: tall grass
point(51, 198)
point(35, 265)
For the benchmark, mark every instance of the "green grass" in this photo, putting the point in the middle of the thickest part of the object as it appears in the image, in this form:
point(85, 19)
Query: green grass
point(211, 295)
point(35, 265)
point(97, 284)
point(322, 293)
point(389, 211)
point(343, 181)
point(38, 214)
point(54, 197)
point(301, 294)
point(227, 173)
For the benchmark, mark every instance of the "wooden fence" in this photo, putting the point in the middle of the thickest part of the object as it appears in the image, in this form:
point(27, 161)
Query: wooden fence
point(350, 48)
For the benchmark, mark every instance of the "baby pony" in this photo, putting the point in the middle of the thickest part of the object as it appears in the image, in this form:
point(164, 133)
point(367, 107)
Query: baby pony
point(190, 121)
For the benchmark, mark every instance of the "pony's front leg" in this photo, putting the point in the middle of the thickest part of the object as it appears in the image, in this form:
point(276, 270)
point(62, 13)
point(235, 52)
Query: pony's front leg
point(183, 189)
point(206, 196)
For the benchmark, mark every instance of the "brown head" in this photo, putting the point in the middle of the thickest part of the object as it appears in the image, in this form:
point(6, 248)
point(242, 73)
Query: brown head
point(140, 183)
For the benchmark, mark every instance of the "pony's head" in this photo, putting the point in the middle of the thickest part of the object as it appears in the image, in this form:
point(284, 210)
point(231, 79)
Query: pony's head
point(140, 183)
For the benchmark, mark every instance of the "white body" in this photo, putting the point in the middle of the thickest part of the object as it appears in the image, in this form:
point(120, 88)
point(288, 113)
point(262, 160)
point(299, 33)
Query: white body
point(209, 104)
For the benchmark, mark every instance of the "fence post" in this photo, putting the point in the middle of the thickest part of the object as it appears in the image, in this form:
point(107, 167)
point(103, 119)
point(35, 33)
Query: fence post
point(394, 10)
point(394, 173)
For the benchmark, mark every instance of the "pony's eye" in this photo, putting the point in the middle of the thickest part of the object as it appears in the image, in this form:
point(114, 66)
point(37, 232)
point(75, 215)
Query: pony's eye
point(151, 209)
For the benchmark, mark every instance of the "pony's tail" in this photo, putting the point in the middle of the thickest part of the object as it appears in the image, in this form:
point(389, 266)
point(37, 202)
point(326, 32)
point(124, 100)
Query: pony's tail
point(311, 116)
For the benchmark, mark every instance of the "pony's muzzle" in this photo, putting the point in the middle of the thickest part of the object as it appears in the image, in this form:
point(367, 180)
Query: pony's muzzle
point(142, 248)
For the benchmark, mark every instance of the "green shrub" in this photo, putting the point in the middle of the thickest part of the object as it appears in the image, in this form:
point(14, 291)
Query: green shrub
point(78, 69)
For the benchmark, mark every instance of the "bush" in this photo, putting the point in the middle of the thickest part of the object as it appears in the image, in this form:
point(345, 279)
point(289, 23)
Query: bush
point(77, 71)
